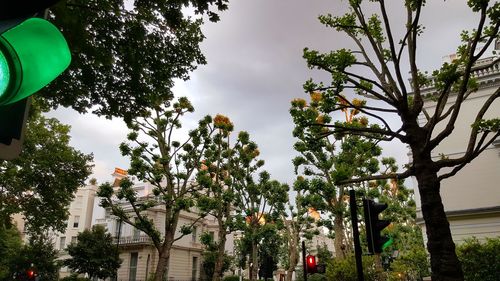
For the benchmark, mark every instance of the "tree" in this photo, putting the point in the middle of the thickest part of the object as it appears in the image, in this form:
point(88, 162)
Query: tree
point(126, 54)
point(10, 245)
point(383, 55)
point(262, 202)
point(211, 256)
point(222, 165)
point(158, 156)
point(269, 249)
point(296, 225)
point(94, 254)
point(41, 182)
point(39, 245)
point(326, 160)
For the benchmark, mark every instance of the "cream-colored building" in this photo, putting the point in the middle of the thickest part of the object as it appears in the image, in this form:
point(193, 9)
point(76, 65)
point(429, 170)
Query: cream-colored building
point(139, 255)
point(471, 198)
point(80, 219)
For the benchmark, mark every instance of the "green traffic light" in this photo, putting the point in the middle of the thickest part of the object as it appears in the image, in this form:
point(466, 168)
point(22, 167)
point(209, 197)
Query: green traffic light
point(32, 54)
point(4, 73)
point(388, 243)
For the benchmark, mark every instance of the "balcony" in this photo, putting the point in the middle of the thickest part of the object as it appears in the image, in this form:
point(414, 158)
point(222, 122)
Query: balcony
point(134, 240)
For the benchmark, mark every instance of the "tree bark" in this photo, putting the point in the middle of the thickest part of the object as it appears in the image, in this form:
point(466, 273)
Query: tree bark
point(294, 253)
point(163, 258)
point(219, 262)
point(445, 265)
point(255, 265)
point(339, 242)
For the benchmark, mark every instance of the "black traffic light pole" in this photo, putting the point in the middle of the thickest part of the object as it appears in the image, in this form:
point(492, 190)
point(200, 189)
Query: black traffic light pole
point(355, 232)
point(304, 259)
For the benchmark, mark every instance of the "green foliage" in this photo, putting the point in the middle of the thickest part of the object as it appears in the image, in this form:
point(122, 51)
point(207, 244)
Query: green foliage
point(491, 125)
point(48, 169)
point(160, 159)
point(231, 278)
point(94, 254)
point(10, 246)
point(126, 55)
point(345, 269)
point(39, 245)
point(159, 156)
point(480, 260)
point(210, 255)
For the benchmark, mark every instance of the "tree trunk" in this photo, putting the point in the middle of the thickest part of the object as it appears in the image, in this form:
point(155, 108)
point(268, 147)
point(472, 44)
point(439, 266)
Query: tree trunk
point(339, 242)
point(294, 254)
point(445, 265)
point(255, 264)
point(163, 258)
point(219, 262)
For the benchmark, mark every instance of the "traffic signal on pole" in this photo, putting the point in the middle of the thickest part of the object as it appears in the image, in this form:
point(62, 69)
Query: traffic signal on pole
point(311, 264)
point(33, 52)
point(376, 241)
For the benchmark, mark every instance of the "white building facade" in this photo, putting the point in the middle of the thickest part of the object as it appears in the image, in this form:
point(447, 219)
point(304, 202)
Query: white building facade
point(471, 198)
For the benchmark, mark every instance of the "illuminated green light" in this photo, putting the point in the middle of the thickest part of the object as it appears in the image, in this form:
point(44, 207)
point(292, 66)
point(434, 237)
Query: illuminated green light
point(35, 53)
point(388, 243)
point(4, 74)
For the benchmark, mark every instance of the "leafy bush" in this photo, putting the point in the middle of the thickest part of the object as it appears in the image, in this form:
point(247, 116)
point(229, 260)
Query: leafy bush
point(231, 278)
point(345, 269)
point(480, 261)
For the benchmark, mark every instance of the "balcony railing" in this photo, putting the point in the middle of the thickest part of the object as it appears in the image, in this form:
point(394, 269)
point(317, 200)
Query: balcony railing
point(134, 240)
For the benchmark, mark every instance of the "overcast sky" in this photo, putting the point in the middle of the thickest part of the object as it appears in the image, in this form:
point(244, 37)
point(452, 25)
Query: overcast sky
point(255, 68)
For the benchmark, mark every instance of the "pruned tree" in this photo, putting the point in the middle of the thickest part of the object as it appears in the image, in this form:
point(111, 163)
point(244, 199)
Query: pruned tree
point(323, 161)
point(261, 202)
point(384, 56)
point(222, 162)
point(157, 156)
point(211, 255)
point(126, 55)
point(298, 223)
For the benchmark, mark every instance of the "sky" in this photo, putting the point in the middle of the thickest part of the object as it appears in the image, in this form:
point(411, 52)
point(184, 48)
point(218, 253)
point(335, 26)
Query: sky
point(255, 68)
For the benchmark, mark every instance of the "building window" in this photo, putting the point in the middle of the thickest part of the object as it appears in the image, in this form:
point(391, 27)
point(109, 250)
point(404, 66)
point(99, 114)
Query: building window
point(62, 243)
point(194, 272)
point(133, 267)
point(73, 239)
point(194, 234)
point(76, 221)
point(212, 235)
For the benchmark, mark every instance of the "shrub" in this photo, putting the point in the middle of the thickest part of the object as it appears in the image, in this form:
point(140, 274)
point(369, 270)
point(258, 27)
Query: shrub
point(345, 269)
point(480, 261)
point(231, 278)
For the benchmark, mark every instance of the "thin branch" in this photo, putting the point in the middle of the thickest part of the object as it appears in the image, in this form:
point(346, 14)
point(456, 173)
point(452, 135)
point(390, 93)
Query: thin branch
point(472, 139)
point(479, 149)
point(393, 49)
point(398, 176)
point(387, 132)
point(463, 89)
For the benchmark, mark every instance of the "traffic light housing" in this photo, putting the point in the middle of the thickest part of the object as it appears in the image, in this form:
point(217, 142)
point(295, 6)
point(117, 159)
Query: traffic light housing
point(376, 241)
point(311, 264)
point(33, 52)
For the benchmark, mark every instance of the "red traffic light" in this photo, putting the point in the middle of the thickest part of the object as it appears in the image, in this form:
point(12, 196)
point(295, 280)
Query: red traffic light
point(311, 264)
